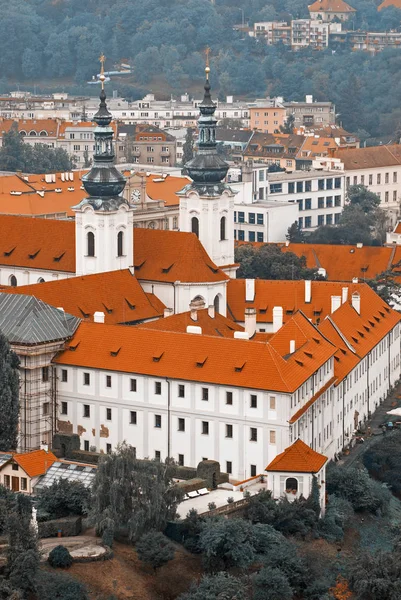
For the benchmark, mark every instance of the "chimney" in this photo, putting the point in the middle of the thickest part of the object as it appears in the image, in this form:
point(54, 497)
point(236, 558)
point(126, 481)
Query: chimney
point(308, 291)
point(292, 346)
point(355, 280)
point(194, 329)
point(210, 311)
point(277, 318)
point(344, 294)
point(249, 290)
point(61, 309)
point(194, 314)
point(250, 321)
point(168, 312)
point(98, 317)
point(335, 303)
point(356, 302)
point(241, 335)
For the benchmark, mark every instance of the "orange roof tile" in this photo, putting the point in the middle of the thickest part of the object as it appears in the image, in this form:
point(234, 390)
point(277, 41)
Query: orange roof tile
point(48, 126)
point(387, 3)
point(344, 359)
point(298, 458)
point(165, 188)
point(317, 146)
point(172, 256)
point(217, 325)
point(36, 462)
point(331, 6)
point(368, 158)
point(397, 228)
point(192, 357)
point(117, 294)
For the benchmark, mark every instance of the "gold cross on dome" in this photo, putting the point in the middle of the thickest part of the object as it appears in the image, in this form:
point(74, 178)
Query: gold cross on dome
point(102, 59)
point(207, 68)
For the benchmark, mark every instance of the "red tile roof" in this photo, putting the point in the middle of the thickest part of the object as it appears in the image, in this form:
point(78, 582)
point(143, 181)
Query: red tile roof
point(50, 126)
point(298, 458)
point(330, 6)
point(217, 325)
point(117, 294)
point(193, 357)
point(386, 3)
point(369, 158)
point(35, 463)
point(165, 188)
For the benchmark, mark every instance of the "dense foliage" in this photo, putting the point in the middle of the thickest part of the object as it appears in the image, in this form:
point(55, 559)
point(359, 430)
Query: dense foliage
point(15, 155)
point(355, 485)
point(47, 39)
point(9, 396)
point(155, 549)
point(383, 459)
point(63, 498)
point(60, 558)
point(133, 495)
point(269, 262)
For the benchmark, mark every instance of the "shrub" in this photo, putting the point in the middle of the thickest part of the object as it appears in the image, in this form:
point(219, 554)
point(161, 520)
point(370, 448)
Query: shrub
point(192, 527)
point(230, 500)
point(155, 549)
point(211, 505)
point(355, 485)
point(382, 460)
point(64, 498)
point(271, 584)
point(108, 537)
point(220, 585)
point(338, 514)
point(58, 585)
point(60, 557)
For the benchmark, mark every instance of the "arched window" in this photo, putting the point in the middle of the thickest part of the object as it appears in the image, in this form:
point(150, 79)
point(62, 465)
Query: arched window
point(13, 281)
point(33, 133)
point(41, 280)
point(217, 304)
point(91, 243)
point(195, 226)
point(291, 485)
point(223, 228)
point(120, 243)
point(43, 133)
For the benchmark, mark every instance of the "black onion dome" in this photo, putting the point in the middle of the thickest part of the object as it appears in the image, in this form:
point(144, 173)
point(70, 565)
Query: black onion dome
point(207, 167)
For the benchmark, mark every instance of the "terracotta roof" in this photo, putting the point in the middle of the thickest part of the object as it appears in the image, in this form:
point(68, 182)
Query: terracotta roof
point(165, 188)
point(217, 325)
point(274, 145)
point(317, 146)
point(37, 243)
point(35, 463)
point(117, 294)
point(173, 256)
point(397, 228)
point(368, 158)
point(330, 6)
point(291, 296)
point(183, 356)
point(345, 360)
point(387, 3)
point(50, 126)
point(298, 458)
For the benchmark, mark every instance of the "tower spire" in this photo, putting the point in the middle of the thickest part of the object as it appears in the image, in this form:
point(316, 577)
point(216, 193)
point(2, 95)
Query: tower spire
point(207, 167)
point(103, 182)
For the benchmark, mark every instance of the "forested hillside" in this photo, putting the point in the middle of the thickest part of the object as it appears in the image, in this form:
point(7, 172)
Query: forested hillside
point(165, 39)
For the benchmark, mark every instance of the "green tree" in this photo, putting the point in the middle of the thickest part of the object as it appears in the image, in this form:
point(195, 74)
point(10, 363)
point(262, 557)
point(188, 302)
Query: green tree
point(359, 195)
point(216, 587)
point(269, 262)
point(60, 557)
point(155, 549)
point(355, 485)
point(377, 576)
point(133, 495)
point(386, 286)
point(64, 498)
point(87, 160)
point(289, 124)
point(9, 396)
point(295, 234)
point(271, 584)
point(57, 585)
point(313, 501)
point(188, 147)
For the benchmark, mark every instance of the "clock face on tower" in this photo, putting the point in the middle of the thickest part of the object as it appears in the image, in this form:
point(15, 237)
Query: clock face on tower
point(135, 196)
point(152, 225)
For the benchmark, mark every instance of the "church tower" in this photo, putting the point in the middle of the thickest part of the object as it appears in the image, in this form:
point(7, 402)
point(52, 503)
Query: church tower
point(104, 220)
point(207, 204)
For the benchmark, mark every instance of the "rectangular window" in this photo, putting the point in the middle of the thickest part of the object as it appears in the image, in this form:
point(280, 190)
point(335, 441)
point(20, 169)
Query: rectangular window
point(86, 445)
point(308, 186)
point(108, 448)
point(386, 195)
point(45, 374)
point(251, 218)
point(260, 236)
point(132, 417)
point(158, 388)
point(229, 398)
point(272, 402)
point(251, 236)
point(260, 218)
point(64, 408)
point(253, 434)
point(329, 202)
point(229, 431)
point(395, 177)
point(24, 485)
point(329, 219)
point(181, 391)
point(205, 393)
point(205, 428)
point(300, 222)
point(337, 200)
point(254, 401)
point(241, 217)
point(229, 467)
point(45, 408)
point(132, 385)
point(320, 202)
point(158, 421)
point(320, 220)
point(253, 470)
point(355, 180)
point(300, 187)
point(261, 175)
point(329, 184)
point(320, 184)
point(337, 218)
point(108, 381)
point(362, 179)
point(291, 187)
point(87, 411)
point(300, 204)
point(337, 183)
point(308, 204)
point(64, 375)
point(276, 188)
point(308, 222)
point(387, 178)
point(180, 460)
point(108, 414)
point(379, 179)
point(15, 467)
point(241, 236)
point(181, 424)
point(370, 179)
point(87, 379)
point(7, 481)
point(157, 455)
point(272, 437)
point(395, 196)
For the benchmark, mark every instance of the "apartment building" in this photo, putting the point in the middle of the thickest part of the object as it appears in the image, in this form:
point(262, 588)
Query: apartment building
point(379, 169)
point(329, 10)
point(267, 117)
point(320, 195)
point(146, 144)
point(311, 113)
